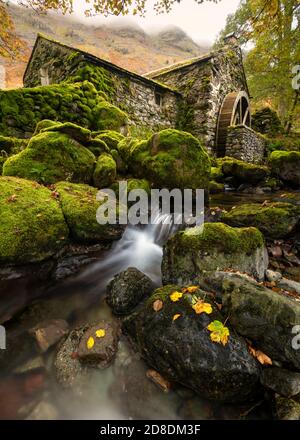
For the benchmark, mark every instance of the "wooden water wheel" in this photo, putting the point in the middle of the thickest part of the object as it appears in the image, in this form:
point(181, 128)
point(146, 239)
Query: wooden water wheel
point(235, 110)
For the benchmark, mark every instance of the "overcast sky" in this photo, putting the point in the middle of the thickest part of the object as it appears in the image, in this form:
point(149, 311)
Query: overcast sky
point(201, 22)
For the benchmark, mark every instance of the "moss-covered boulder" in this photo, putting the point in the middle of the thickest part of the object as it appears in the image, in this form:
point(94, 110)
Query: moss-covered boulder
point(97, 147)
point(169, 159)
point(286, 166)
point(192, 252)
point(2, 160)
point(45, 123)
point(110, 117)
point(133, 184)
point(175, 340)
point(32, 225)
point(105, 171)
point(79, 205)
point(216, 174)
point(274, 220)
point(243, 172)
point(266, 121)
point(50, 157)
point(80, 134)
point(111, 138)
point(12, 145)
point(215, 187)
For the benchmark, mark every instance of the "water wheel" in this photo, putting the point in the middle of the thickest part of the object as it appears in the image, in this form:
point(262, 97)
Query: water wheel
point(235, 110)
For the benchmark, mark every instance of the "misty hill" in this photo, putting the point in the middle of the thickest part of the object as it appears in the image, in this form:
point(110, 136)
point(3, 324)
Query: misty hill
point(125, 45)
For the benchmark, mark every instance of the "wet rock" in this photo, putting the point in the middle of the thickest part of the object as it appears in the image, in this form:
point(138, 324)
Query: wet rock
point(286, 166)
point(183, 352)
point(283, 382)
point(190, 253)
point(290, 285)
point(287, 409)
point(264, 316)
point(159, 380)
point(99, 344)
point(243, 172)
point(127, 290)
point(273, 276)
point(49, 333)
point(43, 411)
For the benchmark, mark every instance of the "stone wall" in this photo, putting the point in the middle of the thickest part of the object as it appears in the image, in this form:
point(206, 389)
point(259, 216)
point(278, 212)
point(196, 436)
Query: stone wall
point(245, 144)
point(136, 95)
point(204, 85)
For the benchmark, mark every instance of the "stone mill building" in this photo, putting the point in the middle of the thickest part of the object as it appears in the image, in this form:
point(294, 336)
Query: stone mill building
point(207, 96)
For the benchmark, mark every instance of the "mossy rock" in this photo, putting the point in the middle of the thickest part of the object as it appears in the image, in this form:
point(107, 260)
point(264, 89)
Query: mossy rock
point(80, 134)
point(243, 172)
point(274, 220)
point(105, 171)
point(286, 166)
point(169, 159)
point(215, 187)
point(216, 174)
point(133, 184)
point(190, 253)
point(266, 121)
point(32, 225)
point(45, 123)
point(110, 117)
point(111, 138)
point(12, 145)
point(79, 205)
point(51, 157)
point(2, 160)
point(97, 147)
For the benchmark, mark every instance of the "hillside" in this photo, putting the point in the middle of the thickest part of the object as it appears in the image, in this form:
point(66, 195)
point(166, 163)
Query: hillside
point(126, 46)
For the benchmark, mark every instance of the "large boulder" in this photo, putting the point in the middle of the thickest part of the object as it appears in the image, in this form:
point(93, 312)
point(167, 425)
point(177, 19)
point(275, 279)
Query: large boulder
point(127, 290)
point(32, 224)
point(175, 340)
point(266, 121)
point(79, 205)
point(286, 166)
point(109, 117)
point(105, 171)
point(274, 220)
point(190, 253)
point(51, 157)
point(266, 317)
point(169, 159)
point(243, 172)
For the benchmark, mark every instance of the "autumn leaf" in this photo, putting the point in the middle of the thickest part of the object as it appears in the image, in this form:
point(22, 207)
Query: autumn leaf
point(100, 333)
point(190, 289)
point(219, 333)
point(260, 356)
point(175, 296)
point(12, 198)
point(157, 305)
point(202, 307)
point(176, 316)
point(90, 343)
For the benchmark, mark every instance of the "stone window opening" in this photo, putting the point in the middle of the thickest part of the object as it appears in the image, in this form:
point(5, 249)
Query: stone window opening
point(44, 75)
point(158, 98)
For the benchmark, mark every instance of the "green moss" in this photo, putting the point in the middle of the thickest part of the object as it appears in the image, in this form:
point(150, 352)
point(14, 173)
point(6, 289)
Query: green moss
point(79, 205)
point(32, 225)
point(50, 157)
point(2, 160)
point(97, 146)
point(133, 184)
point(216, 174)
point(45, 123)
point(275, 220)
point(80, 134)
point(11, 145)
point(215, 187)
point(221, 237)
point(95, 75)
point(111, 138)
point(243, 172)
point(286, 166)
point(105, 171)
point(109, 117)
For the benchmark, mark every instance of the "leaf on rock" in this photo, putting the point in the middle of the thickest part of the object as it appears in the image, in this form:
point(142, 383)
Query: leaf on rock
point(219, 333)
point(100, 333)
point(12, 198)
point(90, 343)
point(157, 305)
point(176, 316)
point(190, 289)
point(260, 356)
point(175, 296)
point(202, 307)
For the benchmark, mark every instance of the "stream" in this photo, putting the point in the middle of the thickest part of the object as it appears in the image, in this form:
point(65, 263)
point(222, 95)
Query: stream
point(121, 391)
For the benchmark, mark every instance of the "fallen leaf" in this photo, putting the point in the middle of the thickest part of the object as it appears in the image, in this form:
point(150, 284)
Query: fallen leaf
point(90, 343)
point(175, 296)
point(190, 289)
point(202, 307)
point(157, 305)
point(12, 198)
point(100, 333)
point(176, 316)
point(159, 380)
point(260, 356)
point(219, 333)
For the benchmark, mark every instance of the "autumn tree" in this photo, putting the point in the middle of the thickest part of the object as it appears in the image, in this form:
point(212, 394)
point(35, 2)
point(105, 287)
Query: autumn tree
point(10, 43)
point(270, 29)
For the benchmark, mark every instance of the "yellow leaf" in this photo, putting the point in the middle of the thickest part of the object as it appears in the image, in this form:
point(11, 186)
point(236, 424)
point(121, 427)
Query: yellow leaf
point(90, 343)
point(190, 289)
point(175, 296)
point(100, 333)
point(219, 333)
point(260, 356)
point(202, 307)
point(157, 305)
point(176, 316)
